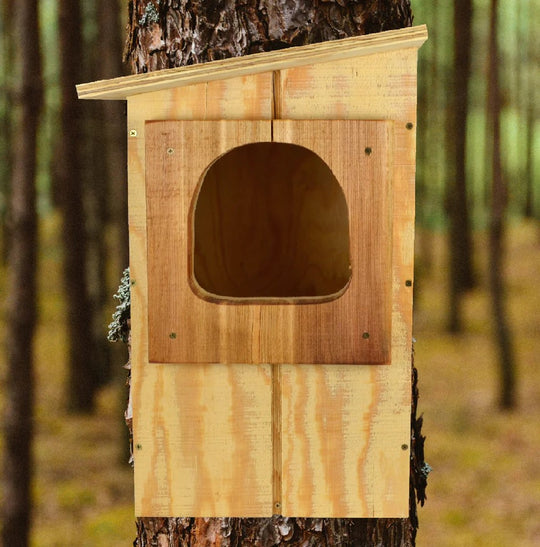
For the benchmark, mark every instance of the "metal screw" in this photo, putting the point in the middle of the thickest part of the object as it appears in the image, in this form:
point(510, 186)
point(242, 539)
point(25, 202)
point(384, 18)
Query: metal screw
point(365, 336)
point(170, 151)
point(139, 447)
point(133, 133)
point(172, 336)
point(368, 150)
point(409, 125)
point(408, 283)
point(404, 447)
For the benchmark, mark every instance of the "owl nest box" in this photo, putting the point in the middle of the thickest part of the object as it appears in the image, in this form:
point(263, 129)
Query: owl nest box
point(271, 219)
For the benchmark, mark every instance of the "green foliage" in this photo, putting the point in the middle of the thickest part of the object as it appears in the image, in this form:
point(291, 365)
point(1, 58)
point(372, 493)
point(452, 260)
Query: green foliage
point(520, 78)
point(119, 328)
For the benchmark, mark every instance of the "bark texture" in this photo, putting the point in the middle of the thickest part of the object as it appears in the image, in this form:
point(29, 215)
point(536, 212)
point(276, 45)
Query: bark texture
point(21, 289)
point(172, 33)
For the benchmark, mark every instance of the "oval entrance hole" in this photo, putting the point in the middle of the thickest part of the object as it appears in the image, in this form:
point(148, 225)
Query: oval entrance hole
point(270, 221)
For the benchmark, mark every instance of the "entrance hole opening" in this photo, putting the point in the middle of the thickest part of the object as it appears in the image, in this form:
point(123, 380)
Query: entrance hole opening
point(269, 223)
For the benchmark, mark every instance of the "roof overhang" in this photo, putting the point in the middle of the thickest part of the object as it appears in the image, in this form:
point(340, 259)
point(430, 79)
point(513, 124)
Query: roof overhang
point(323, 52)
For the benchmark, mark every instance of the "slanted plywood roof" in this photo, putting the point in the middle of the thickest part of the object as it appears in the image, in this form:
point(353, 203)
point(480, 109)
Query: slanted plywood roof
point(357, 46)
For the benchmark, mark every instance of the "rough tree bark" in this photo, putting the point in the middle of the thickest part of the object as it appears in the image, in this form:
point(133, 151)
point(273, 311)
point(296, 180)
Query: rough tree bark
point(21, 302)
point(174, 33)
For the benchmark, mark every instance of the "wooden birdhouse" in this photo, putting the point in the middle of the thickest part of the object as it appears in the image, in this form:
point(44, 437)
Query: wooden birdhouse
point(271, 218)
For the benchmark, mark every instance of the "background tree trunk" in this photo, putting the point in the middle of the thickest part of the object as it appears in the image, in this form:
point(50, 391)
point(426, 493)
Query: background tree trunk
point(21, 302)
point(6, 108)
point(170, 34)
point(83, 380)
point(460, 247)
point(499, 196)
point(114, 114)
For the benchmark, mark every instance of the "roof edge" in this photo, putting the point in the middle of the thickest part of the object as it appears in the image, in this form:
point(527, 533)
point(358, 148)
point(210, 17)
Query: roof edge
point(322, 52)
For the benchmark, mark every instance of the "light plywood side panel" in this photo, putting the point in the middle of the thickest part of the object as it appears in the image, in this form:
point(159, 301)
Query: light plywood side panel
point(374, 87)
point(208, 450)
point(372, 403)
point(152, 413)
point(245, 98)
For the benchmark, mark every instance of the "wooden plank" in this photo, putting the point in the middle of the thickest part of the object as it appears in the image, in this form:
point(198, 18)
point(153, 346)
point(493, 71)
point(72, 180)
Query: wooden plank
point(182, 327)
point(162, 395)
point(350, 325)
point(325, 52)
point(308, 401)
point(343, 427)
point(207, 442)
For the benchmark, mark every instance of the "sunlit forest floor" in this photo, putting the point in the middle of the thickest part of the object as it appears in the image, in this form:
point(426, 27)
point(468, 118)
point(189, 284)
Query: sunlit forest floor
point(484, 489)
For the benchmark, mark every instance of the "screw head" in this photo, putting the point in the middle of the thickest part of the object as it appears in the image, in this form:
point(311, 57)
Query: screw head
point(133, 133)
point(365, 336)
point(410, 125)
point(368, 150)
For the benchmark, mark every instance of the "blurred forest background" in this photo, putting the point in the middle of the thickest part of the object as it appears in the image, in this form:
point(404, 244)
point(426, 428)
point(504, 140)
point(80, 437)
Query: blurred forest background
point(477, 320)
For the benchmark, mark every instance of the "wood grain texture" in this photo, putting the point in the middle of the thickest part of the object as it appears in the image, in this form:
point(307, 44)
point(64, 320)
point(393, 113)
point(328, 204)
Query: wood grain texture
point(270, 221)
point(351, 417)
point(159, 401)
point(208, 442)
point(308, 55)
point(356, 414)
point(354, 328)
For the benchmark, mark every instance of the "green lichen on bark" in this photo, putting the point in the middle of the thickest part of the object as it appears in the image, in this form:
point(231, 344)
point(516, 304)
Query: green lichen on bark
point(151, 15)
point(119, 328)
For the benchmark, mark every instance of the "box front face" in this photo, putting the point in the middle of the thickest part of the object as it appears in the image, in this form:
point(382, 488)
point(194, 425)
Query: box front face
point(276, 252)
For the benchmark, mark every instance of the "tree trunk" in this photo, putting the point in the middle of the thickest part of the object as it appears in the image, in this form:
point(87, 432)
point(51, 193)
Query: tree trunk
point(499, 196)
point(110, 66)
point(6, 108)
point(460, 253)
point(83, 378)
point(170, 34)
point(175, 33)
point(21, 290)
